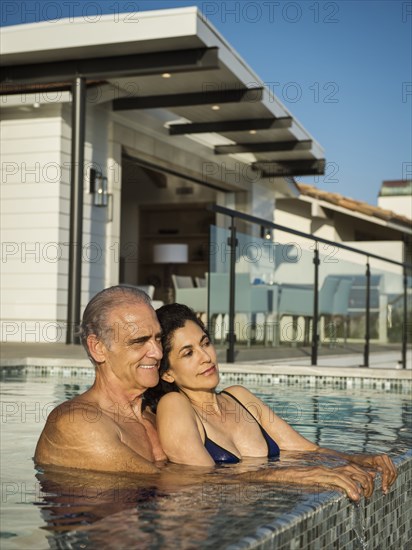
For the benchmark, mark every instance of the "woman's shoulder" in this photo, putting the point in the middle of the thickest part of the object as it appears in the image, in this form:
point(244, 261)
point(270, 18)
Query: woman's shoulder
point(239, 392)
point(174, 399)
point(171, 407)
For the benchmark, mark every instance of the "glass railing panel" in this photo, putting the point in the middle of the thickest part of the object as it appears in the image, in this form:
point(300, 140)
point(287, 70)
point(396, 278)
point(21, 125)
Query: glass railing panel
point(342, 303)
point(217, 285)
point(386, 314)
point(255, 293)
point(292, 296)
point(273, 297)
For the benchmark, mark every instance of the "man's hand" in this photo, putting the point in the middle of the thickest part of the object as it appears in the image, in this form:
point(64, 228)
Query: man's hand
point(353, 480)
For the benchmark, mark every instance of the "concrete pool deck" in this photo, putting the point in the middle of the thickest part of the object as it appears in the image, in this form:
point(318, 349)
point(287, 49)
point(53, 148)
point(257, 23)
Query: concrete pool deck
point(384, 365)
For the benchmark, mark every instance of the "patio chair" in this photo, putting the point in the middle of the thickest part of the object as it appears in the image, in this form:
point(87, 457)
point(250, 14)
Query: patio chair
point(186, 293)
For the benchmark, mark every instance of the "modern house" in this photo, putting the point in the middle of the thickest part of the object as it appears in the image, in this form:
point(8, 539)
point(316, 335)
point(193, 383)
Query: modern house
point(122, 146)
point(115, 137)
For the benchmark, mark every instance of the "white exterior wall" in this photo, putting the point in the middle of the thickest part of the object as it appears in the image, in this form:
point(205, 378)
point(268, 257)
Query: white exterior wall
point(36, 152)
point(32, 184)
point(400, 204)
point(95, 219)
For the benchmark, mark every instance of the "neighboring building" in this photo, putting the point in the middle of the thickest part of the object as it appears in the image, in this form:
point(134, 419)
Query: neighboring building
point(174, 120)
point(396, 195)
point(356, 224)
point(338, 218)
point(344, 220)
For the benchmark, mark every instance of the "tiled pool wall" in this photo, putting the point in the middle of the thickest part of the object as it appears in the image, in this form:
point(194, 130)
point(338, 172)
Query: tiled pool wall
point(317, 381)
point(396, 385)
point(382, 522)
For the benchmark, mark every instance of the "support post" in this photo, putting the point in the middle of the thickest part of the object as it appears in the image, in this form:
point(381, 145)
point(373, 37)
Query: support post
point(405, 317)
point(231, 337)
point(76, 209)
point(367, 319)
point(315, 335)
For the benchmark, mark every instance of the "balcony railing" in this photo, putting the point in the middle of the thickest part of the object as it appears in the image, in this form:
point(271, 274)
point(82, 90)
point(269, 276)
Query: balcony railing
point(288, 289)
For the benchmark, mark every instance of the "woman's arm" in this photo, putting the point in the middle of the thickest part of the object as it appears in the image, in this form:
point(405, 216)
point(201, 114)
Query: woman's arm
point(181, 440)
point(289, 439)
point(178, 431)
point(285, 436)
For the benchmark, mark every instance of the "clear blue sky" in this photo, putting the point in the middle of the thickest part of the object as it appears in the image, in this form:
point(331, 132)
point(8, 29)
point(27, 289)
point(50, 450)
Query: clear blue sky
point(343, 68)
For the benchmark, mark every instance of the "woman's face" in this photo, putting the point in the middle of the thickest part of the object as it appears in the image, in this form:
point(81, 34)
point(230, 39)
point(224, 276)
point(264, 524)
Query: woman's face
point(192, 359)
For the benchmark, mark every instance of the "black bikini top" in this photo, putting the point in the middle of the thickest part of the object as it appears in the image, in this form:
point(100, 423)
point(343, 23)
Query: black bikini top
point(221, 455)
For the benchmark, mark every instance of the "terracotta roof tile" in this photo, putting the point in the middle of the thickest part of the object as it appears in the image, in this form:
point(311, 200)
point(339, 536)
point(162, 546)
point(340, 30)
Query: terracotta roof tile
point(352, 204)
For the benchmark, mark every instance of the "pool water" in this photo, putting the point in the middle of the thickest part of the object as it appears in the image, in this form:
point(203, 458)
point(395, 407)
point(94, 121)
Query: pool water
point(73, 509)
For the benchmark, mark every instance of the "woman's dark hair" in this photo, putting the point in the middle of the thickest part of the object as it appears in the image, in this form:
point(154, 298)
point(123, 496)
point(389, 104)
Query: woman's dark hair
point(171, 318)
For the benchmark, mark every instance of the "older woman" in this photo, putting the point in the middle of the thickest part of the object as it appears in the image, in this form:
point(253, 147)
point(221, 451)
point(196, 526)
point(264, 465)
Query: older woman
point(200, 427)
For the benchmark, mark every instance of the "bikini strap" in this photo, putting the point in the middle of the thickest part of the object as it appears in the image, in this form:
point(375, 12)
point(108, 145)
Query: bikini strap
point(200, 419)
point(241, 404)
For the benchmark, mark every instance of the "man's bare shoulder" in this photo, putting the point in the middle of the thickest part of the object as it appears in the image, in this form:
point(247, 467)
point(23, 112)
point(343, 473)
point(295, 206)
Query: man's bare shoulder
point(77, 415)
point(70, 427)
point(79, 434)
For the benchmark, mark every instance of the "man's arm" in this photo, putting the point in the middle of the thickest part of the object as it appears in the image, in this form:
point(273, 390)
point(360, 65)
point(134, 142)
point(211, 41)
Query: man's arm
point(70, 440)
point(382, 463)
point(350, 479)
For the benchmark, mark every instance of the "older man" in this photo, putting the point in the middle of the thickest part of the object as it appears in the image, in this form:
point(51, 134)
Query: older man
point(104, 428)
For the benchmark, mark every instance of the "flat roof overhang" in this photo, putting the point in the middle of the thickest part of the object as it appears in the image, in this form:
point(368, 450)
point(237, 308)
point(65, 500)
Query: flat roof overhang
point(172, 60)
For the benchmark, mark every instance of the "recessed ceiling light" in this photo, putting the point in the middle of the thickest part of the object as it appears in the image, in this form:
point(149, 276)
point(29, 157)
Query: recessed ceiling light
point(36, 105)
point(215, 108)
point(252, 132)
point(166, 75)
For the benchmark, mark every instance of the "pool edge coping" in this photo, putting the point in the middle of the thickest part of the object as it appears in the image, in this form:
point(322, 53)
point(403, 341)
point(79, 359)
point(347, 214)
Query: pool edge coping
point(225, 368)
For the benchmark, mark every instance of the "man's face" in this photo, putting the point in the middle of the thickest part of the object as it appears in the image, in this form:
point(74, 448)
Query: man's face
point(134, 349)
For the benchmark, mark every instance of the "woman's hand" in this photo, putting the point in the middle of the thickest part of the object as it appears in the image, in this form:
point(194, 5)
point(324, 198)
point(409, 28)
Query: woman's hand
point(381, 463)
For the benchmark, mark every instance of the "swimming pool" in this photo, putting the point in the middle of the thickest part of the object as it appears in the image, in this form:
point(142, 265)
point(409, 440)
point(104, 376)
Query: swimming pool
point(74, 510)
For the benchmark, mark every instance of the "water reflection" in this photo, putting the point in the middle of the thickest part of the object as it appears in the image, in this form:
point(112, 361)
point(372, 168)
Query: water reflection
point(94, 510)
point(372, 421)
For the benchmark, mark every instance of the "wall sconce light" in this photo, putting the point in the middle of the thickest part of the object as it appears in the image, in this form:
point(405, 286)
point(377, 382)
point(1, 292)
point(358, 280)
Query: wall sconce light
point(98, 186)
point(265, 233)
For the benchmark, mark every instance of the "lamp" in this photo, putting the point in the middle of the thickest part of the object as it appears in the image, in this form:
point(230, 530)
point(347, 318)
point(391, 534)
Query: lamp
point(169, 255)
point(98, 186)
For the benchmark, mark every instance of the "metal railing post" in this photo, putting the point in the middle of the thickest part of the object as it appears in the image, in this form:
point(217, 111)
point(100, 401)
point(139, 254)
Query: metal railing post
point(76, 208)
point(405, 317)
point(367, 320)
point(315, 335)
point(231, 336)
